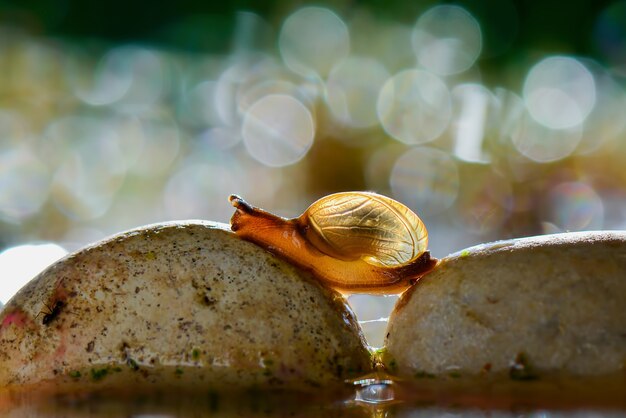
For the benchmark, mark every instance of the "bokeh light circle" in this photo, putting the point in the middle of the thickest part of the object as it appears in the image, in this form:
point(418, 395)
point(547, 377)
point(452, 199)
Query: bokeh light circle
point(474, 110)
point(510, 111)
point(606, 122)
point(150, 143)
point(83, 188)
point(352, 90)
point(90, 165)
point(149, 69)
point(198, 108)
point(278, 130)
point(233, 82)
point(193, 189)
point(312, 40)
point(109, 82)
point(220, 138)
point(226, 91)
point(24, 185)
point(14, 129)
point(542, 144)
point(379, 165)
point(387, 33)
point(447, 40)
point(425, 179)
point(485, 200)
point(575, 206)
point(266, 87)
point(131, 76)
point(559, 92)
point(414, 106)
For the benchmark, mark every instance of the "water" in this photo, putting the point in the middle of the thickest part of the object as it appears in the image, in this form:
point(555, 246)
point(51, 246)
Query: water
point(375, 396)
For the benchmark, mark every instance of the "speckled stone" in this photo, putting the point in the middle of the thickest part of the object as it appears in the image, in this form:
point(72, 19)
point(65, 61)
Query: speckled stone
point(521, 308)
point(184, 304)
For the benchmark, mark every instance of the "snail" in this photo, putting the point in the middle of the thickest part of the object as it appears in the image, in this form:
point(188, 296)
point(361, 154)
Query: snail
point(351, 241)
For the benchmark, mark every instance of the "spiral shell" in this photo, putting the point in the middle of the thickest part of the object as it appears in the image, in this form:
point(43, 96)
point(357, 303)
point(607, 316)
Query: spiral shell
point(367, 226)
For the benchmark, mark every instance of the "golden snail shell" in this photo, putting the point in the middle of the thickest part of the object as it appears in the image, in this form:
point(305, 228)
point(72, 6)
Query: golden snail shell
point(352, 241)
point(370, 226)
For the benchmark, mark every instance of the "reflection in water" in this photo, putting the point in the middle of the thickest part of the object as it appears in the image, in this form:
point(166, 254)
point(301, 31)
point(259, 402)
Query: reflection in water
point(375, 392)
point(179, 405)
point(374, 396)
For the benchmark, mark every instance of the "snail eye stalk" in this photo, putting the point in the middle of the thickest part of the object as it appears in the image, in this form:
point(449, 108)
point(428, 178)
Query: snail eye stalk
point(352, 241)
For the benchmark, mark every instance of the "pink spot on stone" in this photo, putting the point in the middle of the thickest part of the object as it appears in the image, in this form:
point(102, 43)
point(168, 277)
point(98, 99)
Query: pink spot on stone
point(59, 353)
point(18, 317)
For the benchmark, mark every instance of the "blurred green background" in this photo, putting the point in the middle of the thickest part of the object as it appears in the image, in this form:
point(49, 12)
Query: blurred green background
point(491, 119)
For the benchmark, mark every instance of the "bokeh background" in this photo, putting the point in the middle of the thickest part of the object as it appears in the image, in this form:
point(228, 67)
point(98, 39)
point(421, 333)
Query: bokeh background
point(490, 118)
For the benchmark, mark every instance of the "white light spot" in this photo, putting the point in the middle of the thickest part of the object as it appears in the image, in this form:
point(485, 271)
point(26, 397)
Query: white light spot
point(312, 40)
point(559, 92)
point(425, 179)
point(128, 76)
point(606, 122)
point(198, 107)
point(414, 106)
point(220, 138)
point(542, 144)
point(196, 190)
point(394, 59)
point(15, 127)
point(575, 206)
point(472, 103)
point(90, 165)
point(159, 142)
point(24, 185)
point(278, 130)
point(110, 81)
point(267, 87)
point(149, 72)
point(485, 200)
point(232, 82)
point(18, 265)
point(447, 40)
point(510, 110)
point(352, 91)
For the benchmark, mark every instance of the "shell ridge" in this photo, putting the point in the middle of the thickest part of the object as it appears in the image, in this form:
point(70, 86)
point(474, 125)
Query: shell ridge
point(337, 211)
point(335, 200)
point(329, 230)
point(411, 229)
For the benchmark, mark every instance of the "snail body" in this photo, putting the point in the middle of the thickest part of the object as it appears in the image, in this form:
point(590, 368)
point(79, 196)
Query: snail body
point(351, 241)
